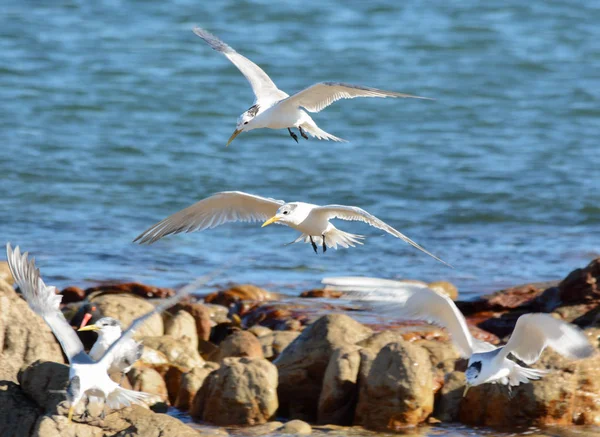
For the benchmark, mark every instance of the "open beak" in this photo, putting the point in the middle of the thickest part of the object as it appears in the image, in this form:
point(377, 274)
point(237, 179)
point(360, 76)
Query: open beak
point(70, 415)
point(270, 221)
point(232, 137)
point(467, 387)
point(89, 328)
point(86, 318)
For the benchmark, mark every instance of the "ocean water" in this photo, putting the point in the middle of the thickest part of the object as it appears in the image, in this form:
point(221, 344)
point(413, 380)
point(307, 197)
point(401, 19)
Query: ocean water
point(115, 115)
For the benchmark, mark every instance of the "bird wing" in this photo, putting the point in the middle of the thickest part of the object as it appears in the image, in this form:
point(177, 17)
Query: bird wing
point(220, 208)
point(317, 97)
point(412, 302)
point(43, 300)
point(533, 332)
point(112, 352)
point(353, 213)
point(264, 89)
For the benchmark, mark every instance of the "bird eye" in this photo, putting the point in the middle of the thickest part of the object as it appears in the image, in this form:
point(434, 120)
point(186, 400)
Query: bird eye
point(245, 122)
point(286, 212)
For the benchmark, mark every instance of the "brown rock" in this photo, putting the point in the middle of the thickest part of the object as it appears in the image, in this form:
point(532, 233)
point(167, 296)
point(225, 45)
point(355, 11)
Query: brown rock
point(24, 336)
point(297, 427)
point(274, 343)
point(340, 390)
point(303, 363)
point(18, 414)
point(126, 308)
point(276, 315)
point(239, 293)
point(42, 382)
point(260, 430)
point(445, 287)
point(447, 405)
point(72, 294)
point(581, 285)
point(182, 326)
point(202, 317)
point(218, 313)
point(142, 290)
point(398, 390)
point(180, 354)
point(5, 274)
point(243, 391)
point(442, 354)
point(240, 344)
point(322, 293)
point(260, 331)
point(148, 380)
point(191, 382)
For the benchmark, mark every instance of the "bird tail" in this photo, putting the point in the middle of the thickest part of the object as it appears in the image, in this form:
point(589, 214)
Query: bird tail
point(319, 133)
point(121, 397)
point(522, 375)
point(333, 239)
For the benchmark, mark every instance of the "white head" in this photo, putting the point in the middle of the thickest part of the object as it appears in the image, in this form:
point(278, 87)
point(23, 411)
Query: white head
point(288, 214)
point(244, 123)
point(107, 327)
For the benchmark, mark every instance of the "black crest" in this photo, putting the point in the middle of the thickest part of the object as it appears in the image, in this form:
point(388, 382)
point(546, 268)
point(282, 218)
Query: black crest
point(476, 365)
point(253, 110)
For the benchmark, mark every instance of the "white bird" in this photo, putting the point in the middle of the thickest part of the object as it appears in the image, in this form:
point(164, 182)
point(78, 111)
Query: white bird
point(311, 220)
point(275, 109)
point(109, 330)
point(487, 363)
point(88, 378)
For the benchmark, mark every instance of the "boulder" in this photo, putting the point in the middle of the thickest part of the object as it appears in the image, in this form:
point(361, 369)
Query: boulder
point(24, 336)
point(191, 382)
point(398, 390)
point(42, 382)
point(260, 430)
point(581, 285)
point(202, 317)
point(340, 390)
point(72, 294)
point(260, 331)
point(126, 308)
point(275, 342)
point(240, 292)
point(148, 380)
point(447, 405)
point(18, 414)
point(327, 293)
point(218, 313)
point(243, 391)
point(297, 427)
point(240, 344)
point(445, 287)
point(180, 354)
point(135, 288)
point(181, 325)
point(5, 274)
point(303, 363)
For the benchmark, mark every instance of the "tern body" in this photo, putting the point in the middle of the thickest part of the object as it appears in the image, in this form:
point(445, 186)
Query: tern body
point(275, 109)
point(487, 363)
point(312, 221)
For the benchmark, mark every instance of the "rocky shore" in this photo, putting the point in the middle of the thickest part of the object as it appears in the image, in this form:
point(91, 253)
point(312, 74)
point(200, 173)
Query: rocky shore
point(247, 361)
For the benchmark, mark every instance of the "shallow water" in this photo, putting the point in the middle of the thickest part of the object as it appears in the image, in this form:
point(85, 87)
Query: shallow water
point(115, 115)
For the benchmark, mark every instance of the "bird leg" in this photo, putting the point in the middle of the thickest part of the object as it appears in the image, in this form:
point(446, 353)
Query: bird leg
point(294, 136)
point(302, 133)
point(324, 245)
point(313, 244)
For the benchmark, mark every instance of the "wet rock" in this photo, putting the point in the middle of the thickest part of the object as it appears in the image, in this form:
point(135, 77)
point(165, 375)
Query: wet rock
point(322, 293)
point(72, 294)
point(181, 325)
point(18, 414)
point(191, 382)
point(142, 290)
point(180, 354)
point(297, 427)
point(202, 317)
point(398, 390)
point(126, 308)
point(340, 390)
point(240, 344)
point(303, 363)
point(275, 342)
point(447, 405)
point(148, 380)
point(279, 316)
point(581, 285)
point(260, 430)
point(239, 293)
point(5, 274)
point(243, 391)
point(445, 287)
point(24, 336)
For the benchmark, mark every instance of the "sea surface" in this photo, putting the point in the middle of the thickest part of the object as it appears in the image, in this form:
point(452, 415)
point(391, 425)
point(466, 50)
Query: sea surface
point(115, 115)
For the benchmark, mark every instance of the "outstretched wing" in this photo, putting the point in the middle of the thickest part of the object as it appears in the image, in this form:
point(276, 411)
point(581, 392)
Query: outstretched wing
point(533, 332)
point(43, 300)
point(353, 213)
point(220, 208)
point(265, 90)
point(410, 301)
point(319, 96)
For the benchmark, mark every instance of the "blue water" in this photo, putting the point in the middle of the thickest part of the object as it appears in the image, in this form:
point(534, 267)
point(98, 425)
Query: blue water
point(115, 115)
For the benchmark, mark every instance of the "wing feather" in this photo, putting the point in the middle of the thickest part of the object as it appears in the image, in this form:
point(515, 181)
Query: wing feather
point(534, 332)
point(353, 213)
point(263, 87)
point(319, 96)
point(411, 301)
point(218, 209)
point(43, 300)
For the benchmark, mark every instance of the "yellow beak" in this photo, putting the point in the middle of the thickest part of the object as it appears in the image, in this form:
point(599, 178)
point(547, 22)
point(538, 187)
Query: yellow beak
point(271, 220)
point(89, 328)
point(70, 415)
point(232, 137)
point(467, 387)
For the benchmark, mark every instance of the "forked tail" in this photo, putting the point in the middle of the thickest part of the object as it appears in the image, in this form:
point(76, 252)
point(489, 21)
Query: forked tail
point(121, 398)
point(333, 239)
point(319, 133)
point(522, 375)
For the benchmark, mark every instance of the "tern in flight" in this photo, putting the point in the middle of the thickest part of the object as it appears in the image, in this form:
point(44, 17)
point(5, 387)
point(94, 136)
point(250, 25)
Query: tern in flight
point(275, 109)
